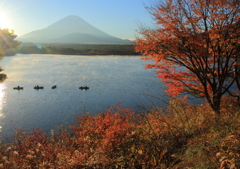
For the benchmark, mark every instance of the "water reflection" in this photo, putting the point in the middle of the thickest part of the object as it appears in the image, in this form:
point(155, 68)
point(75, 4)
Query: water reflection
point(2, 101)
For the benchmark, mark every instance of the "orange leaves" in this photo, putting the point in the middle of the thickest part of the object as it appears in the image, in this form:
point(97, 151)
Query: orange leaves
point(201, 36)
point(145, 58)
point(109, 128)
point(177, 81)
point(104, 133)
point(150, 66)
point(153, 139)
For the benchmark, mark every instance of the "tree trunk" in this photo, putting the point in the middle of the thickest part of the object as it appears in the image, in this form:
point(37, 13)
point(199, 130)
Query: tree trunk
point(216, 104)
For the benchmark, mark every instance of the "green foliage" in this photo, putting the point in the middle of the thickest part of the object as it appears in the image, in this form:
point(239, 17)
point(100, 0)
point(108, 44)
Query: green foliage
point(2, 77)
point(77, 49)
point(7, 40)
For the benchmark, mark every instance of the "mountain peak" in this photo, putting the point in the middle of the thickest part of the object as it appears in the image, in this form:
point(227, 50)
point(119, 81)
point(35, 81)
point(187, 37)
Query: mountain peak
point(66, 28)
point(71, 21)
point(72, 16)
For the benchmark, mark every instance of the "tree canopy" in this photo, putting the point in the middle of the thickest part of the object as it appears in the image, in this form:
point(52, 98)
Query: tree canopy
point(195, 47)
point(7, 40)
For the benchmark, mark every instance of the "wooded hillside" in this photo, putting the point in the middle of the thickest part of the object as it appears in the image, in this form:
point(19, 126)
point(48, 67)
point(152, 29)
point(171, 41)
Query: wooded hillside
point(76, 49)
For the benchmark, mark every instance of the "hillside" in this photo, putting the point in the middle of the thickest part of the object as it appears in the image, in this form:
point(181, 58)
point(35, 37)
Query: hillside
point(76, 49)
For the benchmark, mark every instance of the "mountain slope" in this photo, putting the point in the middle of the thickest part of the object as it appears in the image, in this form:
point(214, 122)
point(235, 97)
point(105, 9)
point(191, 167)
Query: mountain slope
point(77, 37)
point(71, 29)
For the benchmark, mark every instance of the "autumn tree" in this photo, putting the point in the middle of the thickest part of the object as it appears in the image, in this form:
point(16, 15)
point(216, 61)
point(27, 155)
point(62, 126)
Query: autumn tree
point(7, 41)
point(195, 47)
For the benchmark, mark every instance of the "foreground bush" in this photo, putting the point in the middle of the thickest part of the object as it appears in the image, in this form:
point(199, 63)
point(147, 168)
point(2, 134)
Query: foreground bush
point(183, 136)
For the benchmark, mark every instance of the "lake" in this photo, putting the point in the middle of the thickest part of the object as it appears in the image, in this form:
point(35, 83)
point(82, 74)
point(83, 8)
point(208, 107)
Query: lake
point(111, 79)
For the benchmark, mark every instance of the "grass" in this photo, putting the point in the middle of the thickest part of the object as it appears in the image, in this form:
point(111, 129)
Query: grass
point(181, 136)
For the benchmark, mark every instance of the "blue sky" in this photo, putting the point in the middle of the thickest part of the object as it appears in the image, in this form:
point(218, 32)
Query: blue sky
point(119, 18)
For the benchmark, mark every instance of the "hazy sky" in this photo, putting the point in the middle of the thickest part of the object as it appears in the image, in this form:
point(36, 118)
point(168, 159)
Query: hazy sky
point(119, 18)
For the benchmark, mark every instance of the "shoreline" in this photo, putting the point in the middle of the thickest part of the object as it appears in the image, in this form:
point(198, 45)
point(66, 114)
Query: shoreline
point(99, 55)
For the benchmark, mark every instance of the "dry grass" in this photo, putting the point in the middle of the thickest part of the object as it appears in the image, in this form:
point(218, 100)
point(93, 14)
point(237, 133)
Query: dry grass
point(183, 136)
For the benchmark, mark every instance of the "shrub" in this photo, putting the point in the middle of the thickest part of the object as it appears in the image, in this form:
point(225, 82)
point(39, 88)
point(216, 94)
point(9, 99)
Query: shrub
point(182, 136)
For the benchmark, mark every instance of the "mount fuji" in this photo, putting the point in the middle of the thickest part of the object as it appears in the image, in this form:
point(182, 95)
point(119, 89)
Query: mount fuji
point(71, 29)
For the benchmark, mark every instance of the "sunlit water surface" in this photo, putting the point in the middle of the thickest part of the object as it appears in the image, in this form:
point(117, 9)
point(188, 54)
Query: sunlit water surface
point(111, 80)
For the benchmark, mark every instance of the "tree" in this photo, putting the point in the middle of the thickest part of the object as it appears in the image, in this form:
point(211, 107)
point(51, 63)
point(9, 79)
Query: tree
point(6, 42)
point(196, 47)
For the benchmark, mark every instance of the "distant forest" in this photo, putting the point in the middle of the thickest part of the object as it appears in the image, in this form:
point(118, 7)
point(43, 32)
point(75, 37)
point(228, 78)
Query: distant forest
point(76, 49)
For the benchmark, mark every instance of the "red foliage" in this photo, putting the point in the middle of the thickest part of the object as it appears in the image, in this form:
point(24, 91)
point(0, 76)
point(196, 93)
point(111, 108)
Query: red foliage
point(195, 47)
point(111, 127)
point(103, 133)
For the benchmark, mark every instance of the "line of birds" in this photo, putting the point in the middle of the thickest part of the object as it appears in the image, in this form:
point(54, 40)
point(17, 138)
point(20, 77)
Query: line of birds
point(53, 87)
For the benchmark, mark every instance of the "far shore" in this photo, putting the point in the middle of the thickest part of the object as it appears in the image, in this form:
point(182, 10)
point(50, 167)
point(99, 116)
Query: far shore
point(95, 55)
point(78, 49)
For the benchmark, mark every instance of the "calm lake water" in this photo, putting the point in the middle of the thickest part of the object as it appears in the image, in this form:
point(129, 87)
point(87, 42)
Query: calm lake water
point(111, 80)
